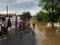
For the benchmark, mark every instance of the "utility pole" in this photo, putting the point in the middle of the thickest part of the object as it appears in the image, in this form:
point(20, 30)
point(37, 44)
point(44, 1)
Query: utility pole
point(7, 10)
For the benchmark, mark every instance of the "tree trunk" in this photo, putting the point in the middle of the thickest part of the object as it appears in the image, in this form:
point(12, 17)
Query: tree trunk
point(52, 25)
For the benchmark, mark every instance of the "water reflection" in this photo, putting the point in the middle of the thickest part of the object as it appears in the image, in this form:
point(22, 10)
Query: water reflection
point(52, 37)
point(49, 37)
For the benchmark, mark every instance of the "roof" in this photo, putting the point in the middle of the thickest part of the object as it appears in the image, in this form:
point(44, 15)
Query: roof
point(6, 15)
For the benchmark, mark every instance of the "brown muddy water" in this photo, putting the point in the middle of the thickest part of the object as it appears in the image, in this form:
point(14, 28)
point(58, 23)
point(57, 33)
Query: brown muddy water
point(46, 35)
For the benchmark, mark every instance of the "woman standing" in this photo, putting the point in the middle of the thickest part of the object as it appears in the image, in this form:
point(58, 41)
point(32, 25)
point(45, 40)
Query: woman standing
point(9, 24)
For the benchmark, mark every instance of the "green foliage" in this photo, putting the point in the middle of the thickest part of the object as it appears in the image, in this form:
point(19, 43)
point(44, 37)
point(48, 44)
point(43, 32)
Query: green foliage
point(48, 4)
point(42, 16)
point(25, 15)
point(52, 7)
point(39, 16)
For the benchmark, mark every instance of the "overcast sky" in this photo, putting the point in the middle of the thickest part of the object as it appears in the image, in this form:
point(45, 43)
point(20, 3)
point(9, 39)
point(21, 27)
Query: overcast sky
point(19, 6)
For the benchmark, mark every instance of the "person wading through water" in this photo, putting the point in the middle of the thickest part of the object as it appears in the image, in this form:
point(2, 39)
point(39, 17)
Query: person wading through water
point(20, 22)
point(9, 24)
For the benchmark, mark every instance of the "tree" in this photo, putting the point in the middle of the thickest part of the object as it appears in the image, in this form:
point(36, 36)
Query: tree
point(39, 16)
point(52, 7)
point(42, 16)
point(26, 15)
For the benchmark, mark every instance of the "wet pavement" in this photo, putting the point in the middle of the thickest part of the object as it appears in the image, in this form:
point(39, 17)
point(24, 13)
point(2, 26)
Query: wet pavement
point(19, 38)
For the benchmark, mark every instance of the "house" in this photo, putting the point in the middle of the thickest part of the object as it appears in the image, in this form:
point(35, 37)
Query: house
point(4, 16)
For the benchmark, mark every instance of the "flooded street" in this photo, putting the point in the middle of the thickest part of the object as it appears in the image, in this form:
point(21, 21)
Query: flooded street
point(43, 35)
point(47, 36)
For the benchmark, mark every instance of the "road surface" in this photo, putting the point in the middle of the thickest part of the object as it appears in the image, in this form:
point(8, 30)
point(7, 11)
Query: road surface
point(19, 38)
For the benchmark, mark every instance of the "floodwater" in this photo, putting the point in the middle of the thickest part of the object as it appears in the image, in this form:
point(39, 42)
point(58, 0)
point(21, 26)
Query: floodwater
point(47, 36)
point(44, 35)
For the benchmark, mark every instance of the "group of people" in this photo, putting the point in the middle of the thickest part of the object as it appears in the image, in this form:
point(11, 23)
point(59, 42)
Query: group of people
point(23, 24)
point(4, 28)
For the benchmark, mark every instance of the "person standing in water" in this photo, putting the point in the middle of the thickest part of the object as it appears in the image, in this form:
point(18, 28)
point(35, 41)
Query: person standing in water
point(33, 23)
point(9, 24)
point(3, 30)
point(15, 25)
point(27, 25)
point(20, 24)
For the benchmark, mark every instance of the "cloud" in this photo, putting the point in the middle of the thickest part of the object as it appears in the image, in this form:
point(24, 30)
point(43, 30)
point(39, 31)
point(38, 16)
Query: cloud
point(23, 1)
point(19, 6)
point(24, 5)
